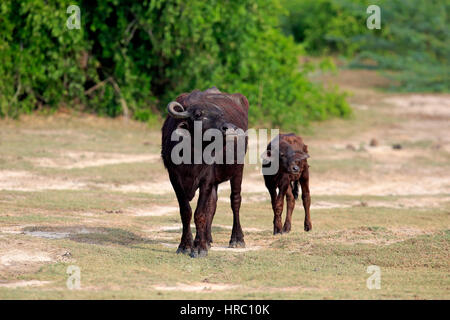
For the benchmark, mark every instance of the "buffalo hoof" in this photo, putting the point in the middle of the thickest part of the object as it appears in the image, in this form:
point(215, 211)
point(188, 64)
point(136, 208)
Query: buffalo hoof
point(308, 226)
point(286, 229)
point(183, 250)
point(275, 232)
point(237, 244)
point(199, 253)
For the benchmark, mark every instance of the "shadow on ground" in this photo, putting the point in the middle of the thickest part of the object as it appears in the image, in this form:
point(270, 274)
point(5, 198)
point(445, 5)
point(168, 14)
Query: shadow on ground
point(98, 235)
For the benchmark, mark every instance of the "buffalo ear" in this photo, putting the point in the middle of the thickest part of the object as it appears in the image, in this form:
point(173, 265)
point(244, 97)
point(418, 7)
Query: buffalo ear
point(183, 125)
point(266, 156)
point(182, 129)
point(240, 99)
point(304, 156)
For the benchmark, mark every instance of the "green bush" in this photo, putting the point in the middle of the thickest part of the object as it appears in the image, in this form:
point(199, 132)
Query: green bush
point(325, 26)
point(134, 57)
point(39, 57)
point(414, 40)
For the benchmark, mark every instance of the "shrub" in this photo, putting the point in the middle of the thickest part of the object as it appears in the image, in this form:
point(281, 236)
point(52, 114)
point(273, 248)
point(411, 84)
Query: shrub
point(325, 26)
point(133, 57)
point(414, 40)
point(39, 57)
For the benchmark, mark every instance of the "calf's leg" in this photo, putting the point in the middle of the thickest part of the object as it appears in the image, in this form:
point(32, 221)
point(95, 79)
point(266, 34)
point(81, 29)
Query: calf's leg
point(277, 206)
point(273, 199)
point(306, 199)
point(290, 201)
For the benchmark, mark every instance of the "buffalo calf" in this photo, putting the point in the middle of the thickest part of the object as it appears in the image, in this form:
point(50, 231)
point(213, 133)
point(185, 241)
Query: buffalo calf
point(293, 169)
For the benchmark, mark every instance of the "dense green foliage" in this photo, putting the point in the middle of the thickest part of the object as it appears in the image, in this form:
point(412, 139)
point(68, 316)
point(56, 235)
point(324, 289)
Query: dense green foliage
point(325, 26)
point(414, 43)
point(38, 57)
point(136, 56)
point(414, 40)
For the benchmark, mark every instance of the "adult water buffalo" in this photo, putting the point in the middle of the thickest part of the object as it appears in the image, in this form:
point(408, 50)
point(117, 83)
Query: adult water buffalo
point(213, 110)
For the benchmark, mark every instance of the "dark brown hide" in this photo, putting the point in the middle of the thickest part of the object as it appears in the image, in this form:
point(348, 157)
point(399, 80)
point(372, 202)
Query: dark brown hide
point(219, 110)
point(293, 170)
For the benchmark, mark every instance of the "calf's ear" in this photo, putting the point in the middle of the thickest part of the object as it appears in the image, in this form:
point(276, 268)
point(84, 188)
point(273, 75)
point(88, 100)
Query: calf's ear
point(304, 156)
point(240, 99)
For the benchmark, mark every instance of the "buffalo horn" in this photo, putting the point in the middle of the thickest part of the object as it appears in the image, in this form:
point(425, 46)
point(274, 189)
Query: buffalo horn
point(177, 114)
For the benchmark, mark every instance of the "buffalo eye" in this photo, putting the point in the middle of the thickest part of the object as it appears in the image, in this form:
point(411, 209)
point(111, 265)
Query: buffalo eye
point(198, 114)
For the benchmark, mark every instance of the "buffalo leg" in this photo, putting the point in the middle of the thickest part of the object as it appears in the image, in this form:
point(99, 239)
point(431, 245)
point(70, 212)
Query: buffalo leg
point(306, 199)
point(237, 236)
point(212, 205)
point(186, 215)
point(278, 205)
point(202, 218)
point(290, 201)
point(273, 198)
